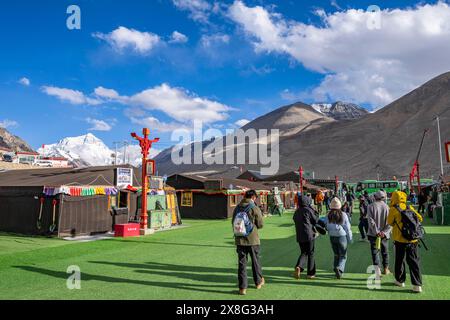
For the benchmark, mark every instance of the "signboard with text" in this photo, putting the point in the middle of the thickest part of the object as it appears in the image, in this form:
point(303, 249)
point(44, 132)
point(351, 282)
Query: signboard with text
point(124, 177)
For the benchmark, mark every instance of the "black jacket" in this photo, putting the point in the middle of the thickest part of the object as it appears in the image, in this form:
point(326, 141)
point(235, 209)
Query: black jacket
point(305, 218)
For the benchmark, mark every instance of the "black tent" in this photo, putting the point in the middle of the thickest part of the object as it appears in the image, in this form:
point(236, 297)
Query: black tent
point(23, 201)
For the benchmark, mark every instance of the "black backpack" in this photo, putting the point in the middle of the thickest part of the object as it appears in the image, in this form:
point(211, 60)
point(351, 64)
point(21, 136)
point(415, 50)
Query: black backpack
point(412, 229)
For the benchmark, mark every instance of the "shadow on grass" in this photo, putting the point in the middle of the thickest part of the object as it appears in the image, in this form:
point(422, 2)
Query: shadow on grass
point(103, 278)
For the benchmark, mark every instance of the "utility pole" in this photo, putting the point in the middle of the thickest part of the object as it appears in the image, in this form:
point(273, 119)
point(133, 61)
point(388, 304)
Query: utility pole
point(125, 145)
point(440, 145)
point(116, 146)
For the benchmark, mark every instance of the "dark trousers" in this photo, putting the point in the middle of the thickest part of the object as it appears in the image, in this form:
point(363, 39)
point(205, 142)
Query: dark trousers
point(384, 252)
point(410, 251)
point(306, 258)
point(363, 227)
point(243, 252)
point(421, 208)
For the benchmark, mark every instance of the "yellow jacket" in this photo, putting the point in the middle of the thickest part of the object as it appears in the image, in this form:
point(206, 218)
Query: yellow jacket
point(395, 217)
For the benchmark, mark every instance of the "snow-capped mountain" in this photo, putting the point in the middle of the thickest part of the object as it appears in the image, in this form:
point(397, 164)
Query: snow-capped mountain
point(340, 110)
point(88, 150)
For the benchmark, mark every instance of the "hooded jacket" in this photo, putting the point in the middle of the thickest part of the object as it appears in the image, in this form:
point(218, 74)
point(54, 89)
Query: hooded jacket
point(395, 217)
point(305, 218)
point(256, 217)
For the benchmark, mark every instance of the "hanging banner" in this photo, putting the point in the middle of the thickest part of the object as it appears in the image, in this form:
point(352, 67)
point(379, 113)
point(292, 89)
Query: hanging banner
point(447, 151)
point(124, 177)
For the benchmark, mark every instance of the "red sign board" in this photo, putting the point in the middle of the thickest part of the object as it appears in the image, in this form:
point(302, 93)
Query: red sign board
point(447, 151)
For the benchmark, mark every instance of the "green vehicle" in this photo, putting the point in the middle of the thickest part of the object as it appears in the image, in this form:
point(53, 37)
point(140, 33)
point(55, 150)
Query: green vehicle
point(372, 186)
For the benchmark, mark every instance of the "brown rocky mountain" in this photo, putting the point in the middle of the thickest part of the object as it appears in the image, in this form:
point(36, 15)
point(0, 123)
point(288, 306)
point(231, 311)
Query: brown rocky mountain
point(291, 119)
point(12, 142)
point(383, 143)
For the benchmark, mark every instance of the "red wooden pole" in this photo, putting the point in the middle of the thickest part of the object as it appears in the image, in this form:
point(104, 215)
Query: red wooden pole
point(300, 171)
point(145, 145)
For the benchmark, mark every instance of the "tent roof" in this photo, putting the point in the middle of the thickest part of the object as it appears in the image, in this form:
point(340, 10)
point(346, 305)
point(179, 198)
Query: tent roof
point(236, 183)
point(56, 177)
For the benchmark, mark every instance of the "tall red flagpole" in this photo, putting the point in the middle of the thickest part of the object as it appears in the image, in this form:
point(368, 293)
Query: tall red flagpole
point(300, 171)
point(145, 145)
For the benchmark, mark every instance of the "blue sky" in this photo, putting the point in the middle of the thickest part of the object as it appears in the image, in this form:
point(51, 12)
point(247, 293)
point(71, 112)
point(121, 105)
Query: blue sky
point(229, 61)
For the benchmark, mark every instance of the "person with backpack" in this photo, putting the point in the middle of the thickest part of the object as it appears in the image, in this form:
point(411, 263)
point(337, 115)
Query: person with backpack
point(340, 232)
point(305, 219)
point(406, 233)
point(363, 225)
point(379, 232)
point(247, 219)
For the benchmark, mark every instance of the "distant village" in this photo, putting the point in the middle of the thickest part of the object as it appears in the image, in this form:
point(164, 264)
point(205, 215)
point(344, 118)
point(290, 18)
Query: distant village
point(32, 159)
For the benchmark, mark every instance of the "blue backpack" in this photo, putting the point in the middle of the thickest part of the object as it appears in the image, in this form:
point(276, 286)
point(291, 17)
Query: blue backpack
point(242, 225)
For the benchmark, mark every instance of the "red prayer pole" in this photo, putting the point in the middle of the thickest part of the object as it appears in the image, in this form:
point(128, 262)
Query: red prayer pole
point(300, 171)
point(145, 145)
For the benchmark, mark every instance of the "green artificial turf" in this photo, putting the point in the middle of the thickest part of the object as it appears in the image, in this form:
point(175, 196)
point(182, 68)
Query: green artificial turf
point(199, 262)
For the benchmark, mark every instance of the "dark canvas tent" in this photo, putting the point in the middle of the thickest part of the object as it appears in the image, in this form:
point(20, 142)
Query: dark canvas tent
point(21, 192)
point(203, 198)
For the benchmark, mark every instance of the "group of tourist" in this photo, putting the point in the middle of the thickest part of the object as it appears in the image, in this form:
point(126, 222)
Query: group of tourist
point(378, 224)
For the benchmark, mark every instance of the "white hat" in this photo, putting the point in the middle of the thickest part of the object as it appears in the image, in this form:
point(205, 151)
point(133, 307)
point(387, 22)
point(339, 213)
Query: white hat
point(336, 204)
point(380, 195)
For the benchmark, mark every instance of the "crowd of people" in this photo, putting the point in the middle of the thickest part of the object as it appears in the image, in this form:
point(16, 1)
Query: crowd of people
point(378, 224)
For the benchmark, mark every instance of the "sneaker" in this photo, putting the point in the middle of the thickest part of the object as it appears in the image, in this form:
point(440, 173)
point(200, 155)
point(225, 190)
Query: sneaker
point(417, 289)
point(386, 271)
point(297, 273)
point(242, 292)
point(311, 277)
point(399, 284)
point(378, 272)
point(338, 273)
point(259, 286)
point(362, 240)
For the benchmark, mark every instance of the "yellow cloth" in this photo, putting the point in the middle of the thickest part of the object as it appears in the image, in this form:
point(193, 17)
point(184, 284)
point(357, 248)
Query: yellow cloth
point(395, 217)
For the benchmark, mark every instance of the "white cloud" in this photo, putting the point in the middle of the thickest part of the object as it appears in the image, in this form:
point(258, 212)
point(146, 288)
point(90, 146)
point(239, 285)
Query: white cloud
point(98, 125)
point(214, 39)
point(155, 124)
point(25, 81)
point(177, 103)
point(199, 10)
point(6, 123)
point(72, 96)
point(242, 122)
point(359, 64)
point(106, 93)
point(180, 104)
point(123, 38)
point(178, 37)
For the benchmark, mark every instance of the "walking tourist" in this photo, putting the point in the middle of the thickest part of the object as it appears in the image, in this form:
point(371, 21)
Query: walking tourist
point(404, 248)
point(319, 201)
point(340, 232)
point(250, 215)
point(379, 232)
point(422, 201)
point(363, 225)
point(305, 218)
